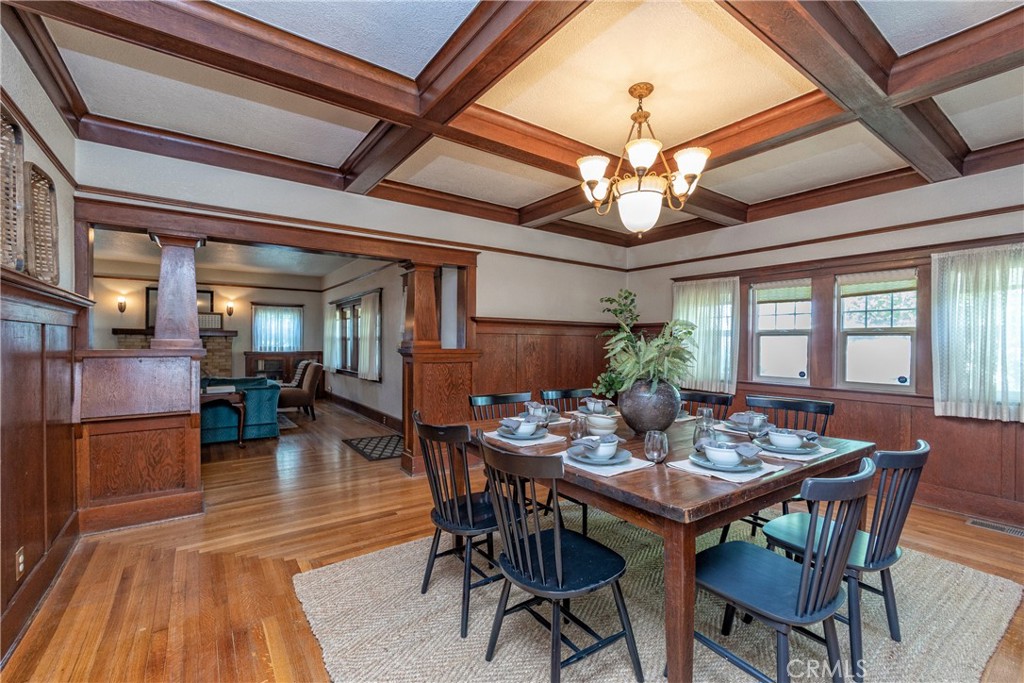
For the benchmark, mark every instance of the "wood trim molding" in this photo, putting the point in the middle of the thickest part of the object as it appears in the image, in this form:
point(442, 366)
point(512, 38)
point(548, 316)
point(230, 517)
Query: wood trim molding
point(694, 226)
point(586, 232)
point(155, 278)
point(374, 415)
point(442, 201)
point(972, 55)
point(995, 157)
point(26, 125)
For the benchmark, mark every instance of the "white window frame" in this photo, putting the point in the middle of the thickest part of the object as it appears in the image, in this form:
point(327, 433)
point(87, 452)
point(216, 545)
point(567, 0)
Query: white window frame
point(758, 334)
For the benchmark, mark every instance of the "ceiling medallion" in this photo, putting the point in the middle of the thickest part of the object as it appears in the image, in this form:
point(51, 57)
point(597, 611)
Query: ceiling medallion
point(640, 196)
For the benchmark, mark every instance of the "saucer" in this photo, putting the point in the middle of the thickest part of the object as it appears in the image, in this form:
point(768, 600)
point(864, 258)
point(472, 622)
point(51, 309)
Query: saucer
point(806, 448)
point(506, 434)
point(579, 454)
point(748, 464)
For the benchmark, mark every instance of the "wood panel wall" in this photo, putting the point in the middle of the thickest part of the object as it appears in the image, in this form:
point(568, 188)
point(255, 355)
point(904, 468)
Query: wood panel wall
point(532, 355)
point(37, 472)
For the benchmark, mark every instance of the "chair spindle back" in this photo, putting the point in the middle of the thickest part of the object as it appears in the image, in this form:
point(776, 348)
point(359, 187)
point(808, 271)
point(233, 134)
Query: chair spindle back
point(719, 403)
point(496, 406)
point(899, 473)
point(565, 399)
point(794, 413)
point(444, 459)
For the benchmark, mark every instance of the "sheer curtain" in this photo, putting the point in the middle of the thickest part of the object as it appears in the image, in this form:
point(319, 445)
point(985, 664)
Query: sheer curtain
point(369, 337)
point(713, 306)
point(276, 328)
point(332, 337)
point(978, 331)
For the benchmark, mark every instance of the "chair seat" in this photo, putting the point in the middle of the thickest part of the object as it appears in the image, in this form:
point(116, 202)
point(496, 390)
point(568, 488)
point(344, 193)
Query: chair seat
point(484, 521)
point(790, 531)
point(592, 566)
point(757, 580)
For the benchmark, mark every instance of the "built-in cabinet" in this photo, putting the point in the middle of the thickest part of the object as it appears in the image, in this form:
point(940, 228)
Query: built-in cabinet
point(37, 455)
point(280, 365)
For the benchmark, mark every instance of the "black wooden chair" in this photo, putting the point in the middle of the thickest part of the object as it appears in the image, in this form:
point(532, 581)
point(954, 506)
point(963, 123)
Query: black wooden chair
point(719, 403)
point(787, 595)
point(552, 564)
point(564, 399)
point(457, 509)
point(494, 406)
point(788, 413)
point(874, 550)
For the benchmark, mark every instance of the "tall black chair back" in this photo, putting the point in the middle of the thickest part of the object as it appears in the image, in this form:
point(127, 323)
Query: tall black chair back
point(900, 471)
point(494, 406)
point(565, 399)
point(794, 413)
point(719, 403)
point(457, 509)
point(827, 547)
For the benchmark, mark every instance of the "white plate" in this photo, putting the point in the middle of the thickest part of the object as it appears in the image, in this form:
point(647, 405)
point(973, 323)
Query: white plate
point(505, 434)
point(748, 464)
point(579, 454)
point(806, 448)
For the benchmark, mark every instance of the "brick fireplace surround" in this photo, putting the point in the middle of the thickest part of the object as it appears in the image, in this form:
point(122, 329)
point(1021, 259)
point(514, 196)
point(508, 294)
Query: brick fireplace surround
point(217, 343)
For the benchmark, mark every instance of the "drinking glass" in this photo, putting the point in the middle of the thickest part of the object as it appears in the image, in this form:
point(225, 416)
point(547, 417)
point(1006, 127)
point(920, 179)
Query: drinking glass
point(705, 415)
point(578, 427)
point(758, 426)
point(656, 445)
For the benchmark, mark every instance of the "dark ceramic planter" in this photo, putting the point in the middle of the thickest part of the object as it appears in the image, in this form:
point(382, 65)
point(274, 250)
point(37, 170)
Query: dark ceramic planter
point(644, 411)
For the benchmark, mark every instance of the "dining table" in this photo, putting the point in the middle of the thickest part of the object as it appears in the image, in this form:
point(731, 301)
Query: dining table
point(679, 505)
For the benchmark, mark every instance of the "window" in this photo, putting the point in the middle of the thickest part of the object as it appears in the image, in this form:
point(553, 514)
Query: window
point(877, 328)
point(356, 348)
point(978, 332)
point(711, 306)
point(782, 331)
point(276, 328)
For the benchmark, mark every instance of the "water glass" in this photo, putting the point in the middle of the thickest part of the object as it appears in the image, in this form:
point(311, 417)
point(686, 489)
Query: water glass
point(578, 427)
point(758, 426)
point(705, 415)
point(656, 445)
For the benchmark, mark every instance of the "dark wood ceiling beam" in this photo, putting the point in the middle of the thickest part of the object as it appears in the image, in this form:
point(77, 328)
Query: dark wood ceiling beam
point(214, 36)
point(995, 157)
point(490, 42)
point(37, 47)
point(812, 37)
point(972, 55)
point(140, 138)
point(586, 232)
point(443, 201)
point(552, 208)
point(694, 226)
point(849, 191)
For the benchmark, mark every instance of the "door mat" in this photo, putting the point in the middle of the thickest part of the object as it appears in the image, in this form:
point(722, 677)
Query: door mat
point(284, 423)
point(378, 447)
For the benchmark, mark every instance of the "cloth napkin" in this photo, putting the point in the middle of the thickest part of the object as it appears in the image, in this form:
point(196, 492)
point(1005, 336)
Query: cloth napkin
point(607, 470)
point(547, 438)
point(802, 457)
point(745, 450)
point(734, 477)
point(591, 442)
point(720, 427)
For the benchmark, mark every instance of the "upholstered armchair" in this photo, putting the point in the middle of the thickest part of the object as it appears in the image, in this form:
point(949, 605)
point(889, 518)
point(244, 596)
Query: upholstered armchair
point(302, 396)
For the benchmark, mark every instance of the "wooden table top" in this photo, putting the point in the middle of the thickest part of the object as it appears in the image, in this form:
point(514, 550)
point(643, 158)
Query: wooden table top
point(682, 496)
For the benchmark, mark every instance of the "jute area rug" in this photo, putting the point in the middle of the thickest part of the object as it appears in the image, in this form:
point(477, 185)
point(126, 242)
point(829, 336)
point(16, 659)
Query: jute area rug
point(374, 625)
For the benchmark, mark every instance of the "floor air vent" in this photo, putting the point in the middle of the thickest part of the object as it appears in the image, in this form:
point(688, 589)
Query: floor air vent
point(1003, 528)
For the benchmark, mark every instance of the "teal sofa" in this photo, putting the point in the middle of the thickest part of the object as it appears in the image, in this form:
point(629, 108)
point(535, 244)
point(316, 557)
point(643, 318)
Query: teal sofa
point(219, 422)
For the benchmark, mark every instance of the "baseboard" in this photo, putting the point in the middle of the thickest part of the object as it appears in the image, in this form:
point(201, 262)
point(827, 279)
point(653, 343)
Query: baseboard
point(389, 421)
point(971, 504)
point(140, 510)
point(26, 601)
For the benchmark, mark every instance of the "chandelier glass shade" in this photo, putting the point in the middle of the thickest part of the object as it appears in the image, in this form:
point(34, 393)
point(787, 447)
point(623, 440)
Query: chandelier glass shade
point(640, 195)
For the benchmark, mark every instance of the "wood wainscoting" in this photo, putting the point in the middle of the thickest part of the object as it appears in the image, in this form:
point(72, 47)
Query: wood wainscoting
point(532, 355)
point(976, 467)
point(37, 459)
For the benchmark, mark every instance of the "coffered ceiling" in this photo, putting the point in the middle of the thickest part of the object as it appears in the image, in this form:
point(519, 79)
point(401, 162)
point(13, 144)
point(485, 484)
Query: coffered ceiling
point(483, 108)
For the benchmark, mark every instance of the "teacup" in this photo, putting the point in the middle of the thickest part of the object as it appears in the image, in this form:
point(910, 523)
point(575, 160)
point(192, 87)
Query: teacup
point(541, 411)
point(722, 452)
point(604, 450)
point(526, 428)
point(785, 438)
point(596, 406)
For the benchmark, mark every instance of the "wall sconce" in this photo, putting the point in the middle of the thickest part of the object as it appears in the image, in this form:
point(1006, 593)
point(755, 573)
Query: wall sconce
point(230, 308)
point(122, 304)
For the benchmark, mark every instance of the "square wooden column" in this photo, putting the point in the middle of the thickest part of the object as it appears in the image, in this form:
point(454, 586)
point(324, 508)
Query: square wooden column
point(177, 318)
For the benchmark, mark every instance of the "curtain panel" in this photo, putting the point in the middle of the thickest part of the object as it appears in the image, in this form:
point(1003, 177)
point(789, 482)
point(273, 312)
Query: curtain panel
point(276, 328)
point(332, 337)
point(713, 306)
point(978, 331)
point(369, 337)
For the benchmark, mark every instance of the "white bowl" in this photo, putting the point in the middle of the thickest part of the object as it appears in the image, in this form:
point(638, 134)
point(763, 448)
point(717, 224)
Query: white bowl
point(722, 452)
point(785, 438)
point(604, 451)
point(599, 431)
point(542, 411)
point(602, 422)
point(526, 428)
point(597, 407)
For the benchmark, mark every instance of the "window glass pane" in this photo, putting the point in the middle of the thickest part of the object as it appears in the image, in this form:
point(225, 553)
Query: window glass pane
point(879, 318)
point(803, 322)
point(803, 306)
point(904, 318)
point(879, 359)
point(785, 307)
point(879, 302)
point(905, 300)
point(854, 303)
point(276, 328)
point(855, 320)
point(766, 322)
point(782, 356)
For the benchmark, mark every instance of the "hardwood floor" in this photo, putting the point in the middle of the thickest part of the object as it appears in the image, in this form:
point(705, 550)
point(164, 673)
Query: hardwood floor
point(210, 597)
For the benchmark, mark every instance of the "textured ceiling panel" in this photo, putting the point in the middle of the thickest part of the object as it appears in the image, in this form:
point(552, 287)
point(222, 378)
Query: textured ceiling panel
point(611, 220)
point(398, 35)
point(842, 154)
point(111, 245)
point(989, 112)
point(911, 24)
point(142, 86)
point(707, 71)
point(454, 168)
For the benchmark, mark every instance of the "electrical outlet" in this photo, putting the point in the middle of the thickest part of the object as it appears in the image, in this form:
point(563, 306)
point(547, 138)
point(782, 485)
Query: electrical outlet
point(19, 562)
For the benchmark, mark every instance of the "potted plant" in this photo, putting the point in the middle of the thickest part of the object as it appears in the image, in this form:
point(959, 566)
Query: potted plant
point(643, 372)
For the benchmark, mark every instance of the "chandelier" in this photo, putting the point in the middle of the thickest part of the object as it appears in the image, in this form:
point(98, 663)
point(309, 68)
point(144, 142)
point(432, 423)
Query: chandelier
point(640, 196)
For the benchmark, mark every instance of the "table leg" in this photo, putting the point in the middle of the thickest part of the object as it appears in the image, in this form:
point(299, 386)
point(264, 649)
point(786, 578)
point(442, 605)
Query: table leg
point(680, 599)
point(241, 422)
